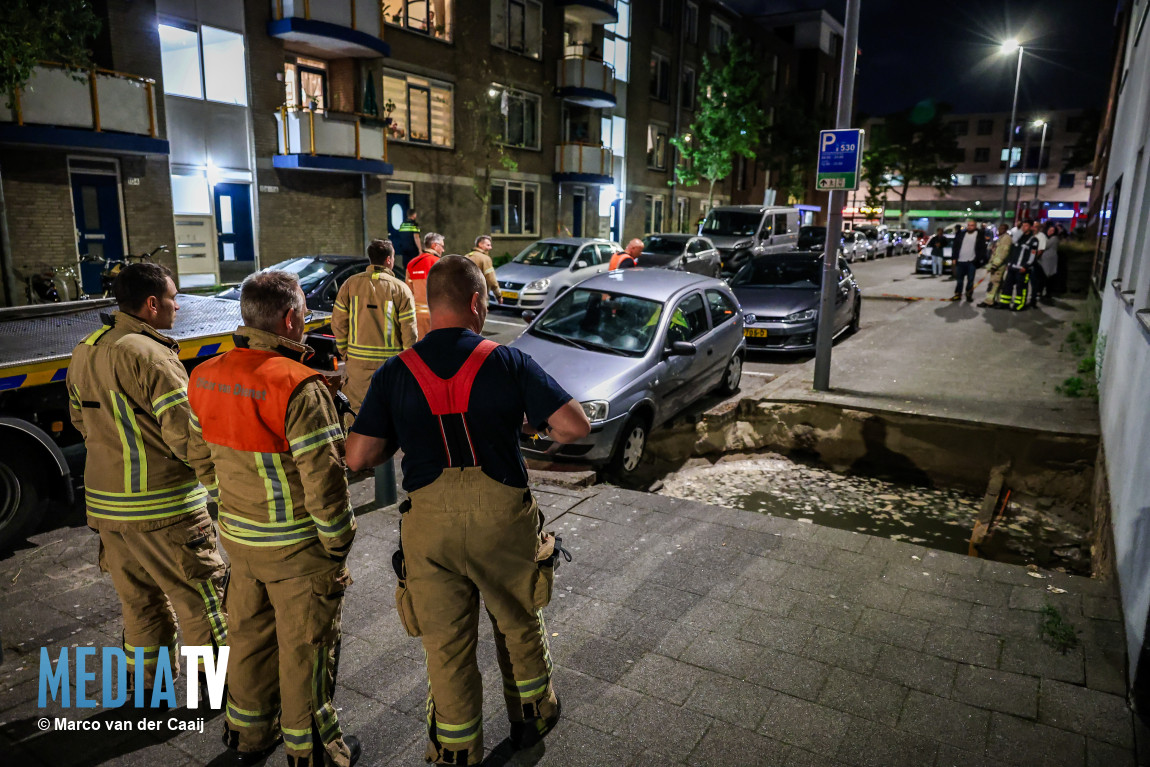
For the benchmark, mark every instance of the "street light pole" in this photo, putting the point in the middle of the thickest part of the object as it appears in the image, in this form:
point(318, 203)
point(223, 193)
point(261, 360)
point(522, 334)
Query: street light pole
point(835, 202)
point(1007, 47)
point(1041, 149)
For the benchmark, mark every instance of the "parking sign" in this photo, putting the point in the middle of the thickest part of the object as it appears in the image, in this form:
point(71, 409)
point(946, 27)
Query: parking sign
point(840, 152)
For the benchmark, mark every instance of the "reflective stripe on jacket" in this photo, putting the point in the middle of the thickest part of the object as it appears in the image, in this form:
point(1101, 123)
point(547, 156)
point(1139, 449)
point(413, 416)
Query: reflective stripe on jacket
point(128, 397)
point(374, 316)
point(277, 445)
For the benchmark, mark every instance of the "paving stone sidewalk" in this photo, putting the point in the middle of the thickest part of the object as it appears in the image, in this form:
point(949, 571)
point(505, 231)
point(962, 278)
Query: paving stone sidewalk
point(682, 634)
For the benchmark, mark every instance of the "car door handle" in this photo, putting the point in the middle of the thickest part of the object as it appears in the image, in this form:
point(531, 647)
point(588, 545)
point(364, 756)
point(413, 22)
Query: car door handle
point(710, 352)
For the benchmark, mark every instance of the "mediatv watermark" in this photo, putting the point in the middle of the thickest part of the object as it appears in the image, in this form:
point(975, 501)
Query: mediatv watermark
point(74, 672)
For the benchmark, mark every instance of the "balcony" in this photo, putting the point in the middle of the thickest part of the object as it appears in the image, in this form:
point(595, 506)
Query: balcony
point(99, 110)
point(330, 28)
point(590, 11)
point(586, 81)
point(333, 142)
point(584, 164)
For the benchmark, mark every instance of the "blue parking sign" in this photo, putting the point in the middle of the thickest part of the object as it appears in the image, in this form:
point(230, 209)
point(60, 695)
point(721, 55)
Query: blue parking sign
point(840, 152)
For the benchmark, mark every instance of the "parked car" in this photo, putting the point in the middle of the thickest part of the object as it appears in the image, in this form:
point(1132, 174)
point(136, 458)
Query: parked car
point(741, 232)
point(812, 239)
point(319, 276)
point(685, 252)
point(856, 247)
point(635, 347)
point(904, 241)
point(923, 264)
point(875, 249)
point(546, 268)
point(780, 301)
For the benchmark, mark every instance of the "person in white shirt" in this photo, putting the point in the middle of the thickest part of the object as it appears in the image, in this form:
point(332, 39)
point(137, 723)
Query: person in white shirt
point(969, 252)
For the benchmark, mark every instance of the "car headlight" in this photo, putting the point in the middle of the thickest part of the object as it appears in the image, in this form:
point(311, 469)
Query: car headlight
point(802, 316)
point(538, 285)
point(596, 409)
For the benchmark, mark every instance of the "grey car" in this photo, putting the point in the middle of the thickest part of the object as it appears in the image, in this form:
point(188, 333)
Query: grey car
point(546, 268)
point(685, 252)
point(635, 347)
point(741, 232)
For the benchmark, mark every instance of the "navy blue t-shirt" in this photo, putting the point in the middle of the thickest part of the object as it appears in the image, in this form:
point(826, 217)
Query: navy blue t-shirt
point(508, 385)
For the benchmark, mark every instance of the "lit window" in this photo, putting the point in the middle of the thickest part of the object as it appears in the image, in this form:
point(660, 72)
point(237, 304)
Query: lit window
point(514, 208)
point(423, 109)
point(305, 84)
point(517, 25)
point(180, 59)
point(428, 17)
point(220, 74)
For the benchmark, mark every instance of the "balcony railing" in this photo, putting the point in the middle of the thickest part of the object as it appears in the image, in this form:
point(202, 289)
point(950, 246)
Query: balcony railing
point(96, 100)
point(589, 162)
point(587, 81)
point(331, 134)
point(341, 27)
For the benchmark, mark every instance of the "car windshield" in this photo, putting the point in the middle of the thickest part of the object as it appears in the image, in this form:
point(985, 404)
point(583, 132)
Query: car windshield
point(555, 254)
point(776, 272)
point(594, 319)
point(310, 271)
point(663, 246)
point(731, 223)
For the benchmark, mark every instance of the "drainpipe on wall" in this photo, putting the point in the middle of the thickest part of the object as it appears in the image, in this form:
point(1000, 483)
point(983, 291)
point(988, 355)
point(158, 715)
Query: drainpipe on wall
point(9, 274)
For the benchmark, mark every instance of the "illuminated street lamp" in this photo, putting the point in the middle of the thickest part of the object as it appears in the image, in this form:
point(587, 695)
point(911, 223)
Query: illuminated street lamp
point(1009, 47)
point(1041, 149)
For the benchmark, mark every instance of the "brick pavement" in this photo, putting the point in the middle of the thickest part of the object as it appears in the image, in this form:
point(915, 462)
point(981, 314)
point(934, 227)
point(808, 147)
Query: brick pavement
point(682, 634)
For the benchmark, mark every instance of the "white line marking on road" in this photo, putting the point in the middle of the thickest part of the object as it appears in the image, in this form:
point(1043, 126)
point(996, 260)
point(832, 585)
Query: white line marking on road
point(764, 375)
point(509, 324)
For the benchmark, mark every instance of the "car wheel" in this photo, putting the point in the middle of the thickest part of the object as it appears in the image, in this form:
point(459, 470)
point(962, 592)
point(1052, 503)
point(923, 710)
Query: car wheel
point(854, 326)
point(19, 499)
point(631, 448)
point(732, 376)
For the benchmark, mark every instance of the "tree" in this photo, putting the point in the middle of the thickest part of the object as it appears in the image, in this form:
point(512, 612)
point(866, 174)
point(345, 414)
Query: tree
point(790, 145)
point(728, 119)
point(912, 146)
point(487, 144)
point(32, 31)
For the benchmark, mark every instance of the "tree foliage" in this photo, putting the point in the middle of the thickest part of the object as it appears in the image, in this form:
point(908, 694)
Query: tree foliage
point(32, 31)
point(790, 145)
point(728, 120)
point(487, 144)
point(914, 146)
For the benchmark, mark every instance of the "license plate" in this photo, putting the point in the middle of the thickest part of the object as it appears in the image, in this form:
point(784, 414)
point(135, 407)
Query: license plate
point(755, 332)
point(509, 294)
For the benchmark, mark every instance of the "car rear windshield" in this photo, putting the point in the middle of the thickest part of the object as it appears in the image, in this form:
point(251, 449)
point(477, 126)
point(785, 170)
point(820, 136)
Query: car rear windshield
point(309, 270)
point(663, 246)
point(731, 223)
point(810, 235)
point(556, 254)
point(776, 272)
point(608, 322)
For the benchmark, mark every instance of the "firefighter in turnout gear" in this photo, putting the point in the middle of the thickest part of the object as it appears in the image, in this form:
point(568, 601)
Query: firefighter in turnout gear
point(456, 403)
point(129, 399)
point(480, 255)
point(417, 277)
point(373, 320)
point(286, 523)
point(1015, 291)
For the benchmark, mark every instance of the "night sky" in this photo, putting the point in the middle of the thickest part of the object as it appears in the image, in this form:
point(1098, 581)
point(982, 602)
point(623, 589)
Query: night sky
point(947, 50)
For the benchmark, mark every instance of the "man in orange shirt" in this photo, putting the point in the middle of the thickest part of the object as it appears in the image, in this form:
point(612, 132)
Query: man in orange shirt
point(629, 257)
point(417, 279)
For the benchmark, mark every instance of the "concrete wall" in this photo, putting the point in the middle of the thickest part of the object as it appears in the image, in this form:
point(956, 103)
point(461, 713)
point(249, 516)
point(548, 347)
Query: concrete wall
point(1124, 349)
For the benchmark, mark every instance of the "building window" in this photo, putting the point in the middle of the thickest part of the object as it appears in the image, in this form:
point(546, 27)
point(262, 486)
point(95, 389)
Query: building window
point(775, 73)
point(1065, 180)
point(652, 213)
point(203, 62)
point(960, 127)
point(691, 22)
point(720, 34)
point(982, 154)
point(978, 180)
point(985, 127)
point(657, 146)
point(665, 9)
point(517, 25)
point(1015, 156)
point(683, 215)
point(305, 83)
point(1089, 180)
point(514, 208)
point(687, 89)
point(424, 109)
point(660, 77)
point(516, 122)
point(427, 17)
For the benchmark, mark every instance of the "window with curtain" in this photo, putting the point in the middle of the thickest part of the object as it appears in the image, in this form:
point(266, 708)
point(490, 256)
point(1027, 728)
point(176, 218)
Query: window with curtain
point(424, 109)
point(517, 117)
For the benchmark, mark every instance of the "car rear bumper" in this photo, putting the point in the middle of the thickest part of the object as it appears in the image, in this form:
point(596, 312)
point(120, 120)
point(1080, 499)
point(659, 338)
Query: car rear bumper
point(595, 448)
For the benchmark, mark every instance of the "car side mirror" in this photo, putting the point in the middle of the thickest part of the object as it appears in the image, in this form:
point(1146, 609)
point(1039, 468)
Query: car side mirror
point(681, 349)
point(528, 315)
point(580, 265)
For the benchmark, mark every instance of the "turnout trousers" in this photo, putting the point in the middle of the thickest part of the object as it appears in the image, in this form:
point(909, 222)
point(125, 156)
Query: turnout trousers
point(356, 380)
point(161, 575)
point(286, 603)
point(468, 536)
point(993, 287)
point(1015, 292)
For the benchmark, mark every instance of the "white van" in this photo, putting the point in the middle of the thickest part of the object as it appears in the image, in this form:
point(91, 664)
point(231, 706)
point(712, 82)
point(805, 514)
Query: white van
point(741, 232)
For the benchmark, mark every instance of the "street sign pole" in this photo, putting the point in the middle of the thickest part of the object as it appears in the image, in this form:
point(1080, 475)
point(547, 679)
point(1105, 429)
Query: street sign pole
point(837, 199)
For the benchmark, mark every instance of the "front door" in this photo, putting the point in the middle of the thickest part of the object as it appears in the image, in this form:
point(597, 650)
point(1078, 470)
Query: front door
point(99, 234)
point(234, 231)
point(398, 203)
point(577, 201)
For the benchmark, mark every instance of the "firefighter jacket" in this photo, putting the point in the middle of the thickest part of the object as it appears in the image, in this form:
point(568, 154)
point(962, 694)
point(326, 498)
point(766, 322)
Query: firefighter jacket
point(276, 443)
point(128, 397)
point(1001, 252)
point(483, 261)
point(374, 317)
point(417, 280)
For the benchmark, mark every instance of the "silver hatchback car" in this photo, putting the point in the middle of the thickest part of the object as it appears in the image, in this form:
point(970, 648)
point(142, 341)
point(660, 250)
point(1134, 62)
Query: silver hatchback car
point(546, 268)
point(635, 347)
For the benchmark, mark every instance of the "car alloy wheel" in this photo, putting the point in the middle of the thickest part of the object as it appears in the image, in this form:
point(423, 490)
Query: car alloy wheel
point(633, 446)
point(732, 376)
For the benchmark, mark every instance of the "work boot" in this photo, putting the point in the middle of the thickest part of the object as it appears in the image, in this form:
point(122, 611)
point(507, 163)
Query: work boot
point(354, 747)
point(232, 743)
point(529, 733)
point(969, 297)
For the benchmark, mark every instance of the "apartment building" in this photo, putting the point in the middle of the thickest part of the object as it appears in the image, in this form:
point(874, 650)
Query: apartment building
point(1040, 188)
point(243, 133)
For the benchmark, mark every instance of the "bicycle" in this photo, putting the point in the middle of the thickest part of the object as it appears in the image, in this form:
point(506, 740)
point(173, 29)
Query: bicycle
point(112, 267)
